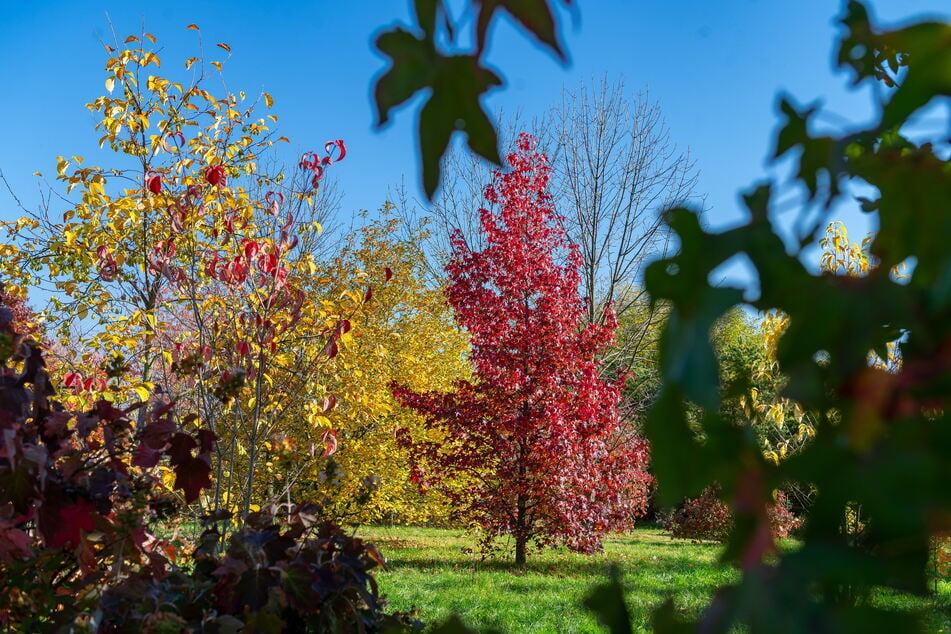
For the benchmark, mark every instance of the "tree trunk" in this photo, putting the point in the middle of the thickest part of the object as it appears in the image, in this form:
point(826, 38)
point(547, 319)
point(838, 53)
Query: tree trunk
point(521, 530)
point(520, 549)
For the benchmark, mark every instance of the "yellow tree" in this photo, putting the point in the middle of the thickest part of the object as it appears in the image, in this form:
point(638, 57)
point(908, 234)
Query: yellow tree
point(184, 258)
point(404, 332)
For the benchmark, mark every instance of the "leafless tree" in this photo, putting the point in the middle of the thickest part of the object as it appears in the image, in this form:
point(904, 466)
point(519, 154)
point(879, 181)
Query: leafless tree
point(616, 170)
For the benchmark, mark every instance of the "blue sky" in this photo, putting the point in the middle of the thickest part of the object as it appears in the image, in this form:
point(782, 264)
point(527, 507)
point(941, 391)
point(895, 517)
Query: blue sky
point(715, 67)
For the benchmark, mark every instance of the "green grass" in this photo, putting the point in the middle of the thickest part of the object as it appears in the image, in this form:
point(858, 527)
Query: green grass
point(430, 570)
point(433, 570)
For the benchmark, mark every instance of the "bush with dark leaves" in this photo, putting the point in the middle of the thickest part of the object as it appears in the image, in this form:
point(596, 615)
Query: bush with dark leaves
point(303, 575)
point(710, 518)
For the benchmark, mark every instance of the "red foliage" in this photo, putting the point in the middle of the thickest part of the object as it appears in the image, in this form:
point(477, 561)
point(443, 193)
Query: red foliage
point(75, 520)
point(315, 164)
point(538, 433)
point(21, 315)
point(303, 575)
point(215, 175)
point(703, 518)
point(709, 518)
point(782, 522)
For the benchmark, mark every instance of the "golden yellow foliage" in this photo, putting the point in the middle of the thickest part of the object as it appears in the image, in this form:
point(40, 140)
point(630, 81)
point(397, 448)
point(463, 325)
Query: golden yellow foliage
point(405, 333)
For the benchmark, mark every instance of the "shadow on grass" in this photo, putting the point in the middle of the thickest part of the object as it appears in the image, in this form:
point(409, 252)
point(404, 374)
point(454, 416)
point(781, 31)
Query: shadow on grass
point(661, 577)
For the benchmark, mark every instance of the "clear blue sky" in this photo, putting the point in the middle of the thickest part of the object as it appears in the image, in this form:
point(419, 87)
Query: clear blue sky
point(715, 67)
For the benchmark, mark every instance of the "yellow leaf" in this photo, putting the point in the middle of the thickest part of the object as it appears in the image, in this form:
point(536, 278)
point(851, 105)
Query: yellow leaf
point(142, 392)
point(168, 477)
point(224, 46)
point(268, 100)
point(131, 38)
point(110, 83)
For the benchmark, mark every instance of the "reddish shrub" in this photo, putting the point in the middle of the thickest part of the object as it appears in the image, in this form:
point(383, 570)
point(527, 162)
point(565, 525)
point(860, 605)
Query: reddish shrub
point(703, 518)
point(782, 520)
point(710, 518)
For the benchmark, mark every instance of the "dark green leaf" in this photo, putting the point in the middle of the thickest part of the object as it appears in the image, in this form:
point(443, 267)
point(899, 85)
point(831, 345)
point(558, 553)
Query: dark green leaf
point(816, 152)
point(265, 623)
point(676, 459)
point(536, 16)
point(454, 105)
point(411, 70)
point(426, 12)
point(928, 46)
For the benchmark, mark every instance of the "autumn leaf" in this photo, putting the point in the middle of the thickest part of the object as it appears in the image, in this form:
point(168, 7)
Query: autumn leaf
point(75, 519)
point(192, 476)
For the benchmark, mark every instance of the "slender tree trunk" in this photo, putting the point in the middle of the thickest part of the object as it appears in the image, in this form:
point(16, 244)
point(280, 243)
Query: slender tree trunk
point(521, 508)
point(521, 532)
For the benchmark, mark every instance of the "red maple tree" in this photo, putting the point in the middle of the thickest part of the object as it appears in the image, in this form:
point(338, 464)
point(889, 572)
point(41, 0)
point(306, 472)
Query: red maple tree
point(536, 436)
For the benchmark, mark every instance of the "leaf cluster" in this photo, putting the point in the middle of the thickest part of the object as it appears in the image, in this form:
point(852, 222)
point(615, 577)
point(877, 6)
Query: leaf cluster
point(406, 332)
point(456, 82)
point(707, 517)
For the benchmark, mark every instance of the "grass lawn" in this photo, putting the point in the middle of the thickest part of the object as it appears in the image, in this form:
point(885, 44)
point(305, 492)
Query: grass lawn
point(431, 570)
